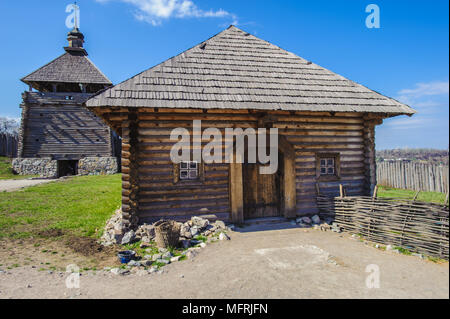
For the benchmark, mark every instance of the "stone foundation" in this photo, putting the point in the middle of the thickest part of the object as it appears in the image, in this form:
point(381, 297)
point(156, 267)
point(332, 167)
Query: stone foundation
point(97, 166)
point(44, 167)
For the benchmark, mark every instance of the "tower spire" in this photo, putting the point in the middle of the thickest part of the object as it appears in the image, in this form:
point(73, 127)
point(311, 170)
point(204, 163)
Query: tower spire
point(75, 37)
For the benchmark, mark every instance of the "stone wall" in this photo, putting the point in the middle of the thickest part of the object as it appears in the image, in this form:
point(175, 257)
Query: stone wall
point(45, 167)
point(97, 166)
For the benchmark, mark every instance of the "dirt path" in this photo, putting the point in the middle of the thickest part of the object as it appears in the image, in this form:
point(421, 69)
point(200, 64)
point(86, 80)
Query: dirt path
point(10, 185)
point(283, 263)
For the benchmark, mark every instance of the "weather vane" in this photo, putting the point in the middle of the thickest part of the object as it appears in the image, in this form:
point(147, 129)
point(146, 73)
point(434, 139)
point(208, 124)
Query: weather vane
point(73, 19)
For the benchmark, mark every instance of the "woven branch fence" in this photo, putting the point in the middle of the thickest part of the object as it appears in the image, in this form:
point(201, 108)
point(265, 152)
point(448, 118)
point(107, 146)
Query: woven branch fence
point(8, 145)
point(416, 226)
point(415, 176)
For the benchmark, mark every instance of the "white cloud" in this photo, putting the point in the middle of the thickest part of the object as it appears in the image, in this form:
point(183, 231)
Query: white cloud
point(408, 123)
point(156, 11)
point(423, 90)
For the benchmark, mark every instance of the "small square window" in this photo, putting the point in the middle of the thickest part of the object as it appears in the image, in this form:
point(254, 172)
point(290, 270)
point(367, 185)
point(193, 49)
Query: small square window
point(327, 166)
point(189, 170)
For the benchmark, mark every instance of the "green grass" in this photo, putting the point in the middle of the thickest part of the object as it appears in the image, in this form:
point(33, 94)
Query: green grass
point(78, 206)
point(6, 170)
point(429, 197)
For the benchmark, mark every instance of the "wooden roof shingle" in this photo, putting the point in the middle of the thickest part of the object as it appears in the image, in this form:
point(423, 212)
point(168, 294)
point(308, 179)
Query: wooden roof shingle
point(235, 70)
point(71, 67)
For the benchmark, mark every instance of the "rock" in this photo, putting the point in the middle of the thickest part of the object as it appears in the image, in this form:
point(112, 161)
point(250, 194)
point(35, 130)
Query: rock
point(231, 227)
point(202, 245)
point(163, 261)
point(175, 259)
point(167, 255)
point(199, 222)
point(29, 286)
point(299, 220)
point(194, 231)
point(388, 247)
point(187, 234)
point(156, 257)
point(224, 236)
point(315, 219)
point(293, 223)
point(146, 263)
point(145, 240)
point(128, 237)
point(148, 257)
point(162, 250)
point(317, 227)
point(185, 243)
point(306, 220)
point(418, 255)
point(134, 263)
point(220, 224)
point(303, 225)
point(184, 229)
point(115, 271)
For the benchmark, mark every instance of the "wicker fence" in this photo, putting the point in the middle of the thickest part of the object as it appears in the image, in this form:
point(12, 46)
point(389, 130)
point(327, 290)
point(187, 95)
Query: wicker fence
point(416, 226)
point(415, 176)
point(8, 145)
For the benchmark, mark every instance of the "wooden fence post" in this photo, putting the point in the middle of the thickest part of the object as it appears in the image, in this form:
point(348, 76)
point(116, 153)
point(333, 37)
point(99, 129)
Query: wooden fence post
point(375, 191)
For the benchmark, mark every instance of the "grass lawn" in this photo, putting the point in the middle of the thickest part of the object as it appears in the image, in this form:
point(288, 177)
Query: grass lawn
point(6, 171)
point(78, 206)
point(430, 197)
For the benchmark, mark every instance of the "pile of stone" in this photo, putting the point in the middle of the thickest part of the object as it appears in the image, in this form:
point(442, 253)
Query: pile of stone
point(112, 233)
point(196, 226)
point(317, 223)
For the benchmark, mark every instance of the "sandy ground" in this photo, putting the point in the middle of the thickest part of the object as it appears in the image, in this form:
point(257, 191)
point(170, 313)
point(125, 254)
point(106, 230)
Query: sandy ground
point(255, 263)
point(10, 185)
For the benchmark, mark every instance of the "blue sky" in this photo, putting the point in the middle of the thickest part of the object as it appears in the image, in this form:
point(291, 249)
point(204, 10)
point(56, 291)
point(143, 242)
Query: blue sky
point(407, 58)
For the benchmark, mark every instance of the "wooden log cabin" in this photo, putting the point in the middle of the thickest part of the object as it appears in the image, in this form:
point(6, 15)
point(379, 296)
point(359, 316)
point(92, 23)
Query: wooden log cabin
point(326, 126)
point(58, 135)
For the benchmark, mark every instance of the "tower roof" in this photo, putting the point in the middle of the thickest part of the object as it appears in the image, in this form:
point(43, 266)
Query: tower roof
point(235, 70)
point(72, 67)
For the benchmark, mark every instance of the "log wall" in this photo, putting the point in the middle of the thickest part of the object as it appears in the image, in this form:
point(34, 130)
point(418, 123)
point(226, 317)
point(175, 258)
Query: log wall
point(309, 133)
point(53, 127)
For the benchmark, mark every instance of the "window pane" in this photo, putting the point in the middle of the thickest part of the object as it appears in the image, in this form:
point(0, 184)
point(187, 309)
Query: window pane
point(193, 165)
point(184, 174)
point(192, 174)
point(184, 165)
point(323, 170)
point(330, 161)
point(330, 170)
point(323, 162)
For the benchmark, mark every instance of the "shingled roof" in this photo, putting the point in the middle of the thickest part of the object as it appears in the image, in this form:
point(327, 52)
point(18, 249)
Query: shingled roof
point(235, 70)
point(71, 67)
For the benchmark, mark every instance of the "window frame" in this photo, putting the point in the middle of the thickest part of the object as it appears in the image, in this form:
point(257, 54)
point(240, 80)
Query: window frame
point(337, 166)
point(177, 180)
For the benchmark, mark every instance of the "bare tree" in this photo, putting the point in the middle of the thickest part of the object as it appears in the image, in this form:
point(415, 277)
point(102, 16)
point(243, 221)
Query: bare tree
point(9, 125)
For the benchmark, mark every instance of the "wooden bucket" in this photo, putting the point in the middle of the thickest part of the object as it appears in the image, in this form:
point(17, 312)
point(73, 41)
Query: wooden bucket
point(167, 233)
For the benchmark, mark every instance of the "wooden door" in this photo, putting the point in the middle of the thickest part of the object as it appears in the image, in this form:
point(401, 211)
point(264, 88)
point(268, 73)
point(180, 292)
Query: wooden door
point(262, 192)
